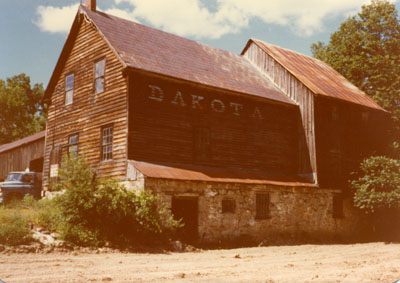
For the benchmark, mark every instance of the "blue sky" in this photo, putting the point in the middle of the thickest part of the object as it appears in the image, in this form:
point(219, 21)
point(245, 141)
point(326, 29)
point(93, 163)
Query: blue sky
point(33, 32)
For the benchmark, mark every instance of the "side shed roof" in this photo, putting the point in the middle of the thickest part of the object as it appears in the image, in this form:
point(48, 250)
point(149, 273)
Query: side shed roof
point(21, 142)
point(317, 75)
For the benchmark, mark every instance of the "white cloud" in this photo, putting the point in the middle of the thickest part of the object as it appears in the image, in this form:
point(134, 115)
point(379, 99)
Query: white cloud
point(54, 19)
point(59, 19)
point(194, 18)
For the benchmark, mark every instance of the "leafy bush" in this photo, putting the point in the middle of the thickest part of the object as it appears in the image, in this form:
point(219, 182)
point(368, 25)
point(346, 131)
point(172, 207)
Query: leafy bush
point(93, 211)
point(14, 227)
point(379, 185)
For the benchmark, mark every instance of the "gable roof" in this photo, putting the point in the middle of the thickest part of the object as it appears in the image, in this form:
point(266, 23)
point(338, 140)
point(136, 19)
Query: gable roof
point(317, 75)
point(155, 51)
point(21, 142)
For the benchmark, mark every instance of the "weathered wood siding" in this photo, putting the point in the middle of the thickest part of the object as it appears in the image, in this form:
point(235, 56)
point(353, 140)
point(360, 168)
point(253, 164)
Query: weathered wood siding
point(297, 91)
point(346, 134)
point(18, 159)
point(245, 132)
point(89, 112)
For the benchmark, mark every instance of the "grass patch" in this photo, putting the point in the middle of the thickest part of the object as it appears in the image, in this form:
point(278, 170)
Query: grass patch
point(15, 221)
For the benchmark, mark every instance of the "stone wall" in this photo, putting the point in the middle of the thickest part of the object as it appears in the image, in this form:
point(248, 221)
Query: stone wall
point(304, 213)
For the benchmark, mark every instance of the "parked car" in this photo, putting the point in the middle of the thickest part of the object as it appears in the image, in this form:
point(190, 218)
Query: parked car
point(19, 184)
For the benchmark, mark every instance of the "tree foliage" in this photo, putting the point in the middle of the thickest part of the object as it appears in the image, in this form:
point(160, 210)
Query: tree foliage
point(378, 187)
point(366, 50)
point(22, 111)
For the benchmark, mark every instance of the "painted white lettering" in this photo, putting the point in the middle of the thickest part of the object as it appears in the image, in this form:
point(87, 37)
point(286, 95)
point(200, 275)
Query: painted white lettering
point(178, 100)
point(156, 93)
point(236, 108)
point(257, 114)
point(196, 101)
point(215, 108)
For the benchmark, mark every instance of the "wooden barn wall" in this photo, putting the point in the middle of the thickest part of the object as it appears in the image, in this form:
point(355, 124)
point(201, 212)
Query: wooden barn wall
point(294, 89)
point(18, 159)
point(244, 132)
point(89, 112)
point(346, 134)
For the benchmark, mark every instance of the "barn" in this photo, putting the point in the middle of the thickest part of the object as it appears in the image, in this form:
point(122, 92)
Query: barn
point(255, 145)
point(26, 153)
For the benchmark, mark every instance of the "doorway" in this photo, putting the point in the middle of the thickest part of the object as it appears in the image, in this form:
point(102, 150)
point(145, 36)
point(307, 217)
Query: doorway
point(186, 208)
point(36, 165)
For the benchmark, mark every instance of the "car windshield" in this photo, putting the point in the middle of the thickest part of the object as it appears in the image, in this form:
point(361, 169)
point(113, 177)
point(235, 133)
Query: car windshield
point(14, 177)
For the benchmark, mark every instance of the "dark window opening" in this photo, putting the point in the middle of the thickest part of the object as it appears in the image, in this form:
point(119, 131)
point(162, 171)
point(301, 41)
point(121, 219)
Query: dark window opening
point(69, 89)
point(337, 206)
point(73, 145)
point(262, 205)
point(106, 143)
point(201, 144)
point(228, 206)
point(99, 76)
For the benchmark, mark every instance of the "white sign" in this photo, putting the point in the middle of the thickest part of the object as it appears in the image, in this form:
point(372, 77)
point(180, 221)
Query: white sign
point(54, 171)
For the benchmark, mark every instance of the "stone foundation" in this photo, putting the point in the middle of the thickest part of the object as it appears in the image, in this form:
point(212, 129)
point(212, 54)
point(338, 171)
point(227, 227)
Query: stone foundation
point(294, 212)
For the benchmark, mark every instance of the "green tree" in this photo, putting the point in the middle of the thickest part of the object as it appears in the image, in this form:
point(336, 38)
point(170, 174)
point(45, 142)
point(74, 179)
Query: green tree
point(22, 110)
point(366, 50)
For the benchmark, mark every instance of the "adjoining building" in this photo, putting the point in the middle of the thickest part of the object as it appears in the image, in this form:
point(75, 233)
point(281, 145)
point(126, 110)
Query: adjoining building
point(26, 153)
point(258, 144)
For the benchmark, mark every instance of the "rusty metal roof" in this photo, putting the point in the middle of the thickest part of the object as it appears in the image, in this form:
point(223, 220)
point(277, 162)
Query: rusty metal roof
point(30, 139)
point(213, 174)
point(318, 76)
point(145, 48)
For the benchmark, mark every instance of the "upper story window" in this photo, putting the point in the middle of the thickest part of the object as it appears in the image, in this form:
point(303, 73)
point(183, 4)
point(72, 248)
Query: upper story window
point(99, 76)
point(106, 142)
point(69, 89)
point(73, 145)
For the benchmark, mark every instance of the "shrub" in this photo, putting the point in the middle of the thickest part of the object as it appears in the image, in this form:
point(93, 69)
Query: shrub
point(92, 211)
point(378, 187)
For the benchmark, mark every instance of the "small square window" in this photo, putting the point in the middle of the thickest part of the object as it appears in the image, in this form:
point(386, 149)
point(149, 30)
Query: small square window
point(262, 205)
point(73, 145)
point(69, 89)
point(228, 206)
point(106, 143)
point(337, 206)
point(99, 76)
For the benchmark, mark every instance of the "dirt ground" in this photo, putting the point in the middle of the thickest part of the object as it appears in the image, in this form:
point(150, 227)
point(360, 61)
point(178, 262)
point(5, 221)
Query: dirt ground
point(369, 262)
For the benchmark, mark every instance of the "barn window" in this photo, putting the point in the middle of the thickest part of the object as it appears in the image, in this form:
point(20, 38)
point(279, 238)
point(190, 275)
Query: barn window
point(73, 145)
point(228, 206)
point(201, 143)
point(262, 205)
point(106, 142)
point(99, 76)
point(337, 206)
point(69, 89)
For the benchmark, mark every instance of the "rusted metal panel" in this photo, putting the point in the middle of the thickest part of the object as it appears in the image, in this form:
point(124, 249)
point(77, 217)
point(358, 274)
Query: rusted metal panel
point(212, 174)
point(318, 76)
point(155, 51)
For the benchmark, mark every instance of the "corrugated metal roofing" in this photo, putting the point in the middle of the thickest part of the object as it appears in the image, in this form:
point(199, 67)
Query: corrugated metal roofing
point(152, 50)
point(318, 76)
point(211, 174)
point(12, 145)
